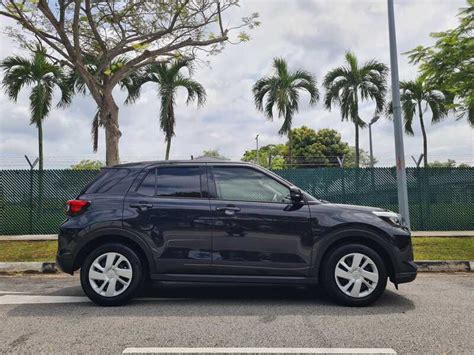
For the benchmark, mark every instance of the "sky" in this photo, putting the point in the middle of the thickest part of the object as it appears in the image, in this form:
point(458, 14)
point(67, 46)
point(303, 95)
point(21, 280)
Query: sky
point(310, 34)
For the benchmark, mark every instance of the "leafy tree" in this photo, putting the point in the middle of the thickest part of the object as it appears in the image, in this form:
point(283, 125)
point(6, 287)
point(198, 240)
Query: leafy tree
point(443, 164)
point(76, 84)
point(169, 78)
point(282, 89)
point(321, 148)
point(364, 159)
point(213, 153)
point(42, 76)
point(349, 84)
point(418, 96)
point(448, 65)
point(142, 31)
point(272, 156)
point(88, 164)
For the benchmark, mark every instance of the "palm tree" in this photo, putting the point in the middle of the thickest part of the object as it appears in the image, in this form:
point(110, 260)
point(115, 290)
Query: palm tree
point(415, 94)
point(169, 79)
point(282, 90)
point(349, 84)
point(42, 76)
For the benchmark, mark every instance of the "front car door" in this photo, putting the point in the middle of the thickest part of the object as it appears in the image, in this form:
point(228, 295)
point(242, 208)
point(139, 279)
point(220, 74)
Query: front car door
point(171, 205)
point(258, 231)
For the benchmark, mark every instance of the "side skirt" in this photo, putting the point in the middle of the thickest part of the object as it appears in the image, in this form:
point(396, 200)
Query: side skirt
point(279, 280)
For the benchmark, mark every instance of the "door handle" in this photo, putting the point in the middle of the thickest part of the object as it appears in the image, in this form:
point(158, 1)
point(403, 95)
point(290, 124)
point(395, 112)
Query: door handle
point(142, 206)
point(229, 210)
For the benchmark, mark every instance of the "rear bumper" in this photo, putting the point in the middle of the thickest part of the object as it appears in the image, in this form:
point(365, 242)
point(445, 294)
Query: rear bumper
point(65, 262)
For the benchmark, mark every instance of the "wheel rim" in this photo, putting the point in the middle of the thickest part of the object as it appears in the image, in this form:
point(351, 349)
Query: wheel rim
point(110, 274)
point(356, 275)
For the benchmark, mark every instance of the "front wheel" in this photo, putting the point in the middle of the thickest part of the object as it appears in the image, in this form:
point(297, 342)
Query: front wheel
point(354, 275)
point(111, 274)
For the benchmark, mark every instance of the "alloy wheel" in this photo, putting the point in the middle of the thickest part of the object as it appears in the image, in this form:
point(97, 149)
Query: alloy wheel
point(356, 275)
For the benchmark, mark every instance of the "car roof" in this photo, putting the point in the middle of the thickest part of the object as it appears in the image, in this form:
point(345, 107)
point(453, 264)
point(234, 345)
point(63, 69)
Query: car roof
point(206, 160)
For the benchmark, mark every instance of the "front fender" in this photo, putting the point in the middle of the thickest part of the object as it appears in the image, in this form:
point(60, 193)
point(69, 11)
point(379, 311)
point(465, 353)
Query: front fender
point(368, 235)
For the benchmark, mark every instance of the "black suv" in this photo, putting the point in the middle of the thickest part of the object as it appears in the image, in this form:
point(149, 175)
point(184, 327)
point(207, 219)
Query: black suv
point(208, 221)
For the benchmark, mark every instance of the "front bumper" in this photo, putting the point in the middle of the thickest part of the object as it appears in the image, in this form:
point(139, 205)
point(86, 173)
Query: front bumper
point(407, 275)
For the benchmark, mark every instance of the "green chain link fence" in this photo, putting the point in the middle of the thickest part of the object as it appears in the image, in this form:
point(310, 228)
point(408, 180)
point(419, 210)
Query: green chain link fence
point(440, 198)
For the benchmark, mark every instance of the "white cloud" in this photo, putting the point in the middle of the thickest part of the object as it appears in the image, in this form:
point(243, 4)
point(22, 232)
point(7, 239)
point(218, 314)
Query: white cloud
point(312, 34)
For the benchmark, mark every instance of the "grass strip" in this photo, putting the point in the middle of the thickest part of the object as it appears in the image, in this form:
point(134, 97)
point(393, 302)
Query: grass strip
point(425, 248)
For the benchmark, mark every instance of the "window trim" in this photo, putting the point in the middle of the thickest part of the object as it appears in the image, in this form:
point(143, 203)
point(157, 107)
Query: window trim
point(212, 182)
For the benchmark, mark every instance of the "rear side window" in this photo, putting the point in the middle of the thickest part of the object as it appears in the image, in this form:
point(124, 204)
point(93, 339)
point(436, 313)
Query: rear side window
point(173, 182)
point(109, 181)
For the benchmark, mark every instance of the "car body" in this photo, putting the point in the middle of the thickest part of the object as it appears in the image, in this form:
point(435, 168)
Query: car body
point(220, 221)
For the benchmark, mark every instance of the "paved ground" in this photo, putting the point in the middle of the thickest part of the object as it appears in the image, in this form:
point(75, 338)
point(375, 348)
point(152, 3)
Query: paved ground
point(432, 315)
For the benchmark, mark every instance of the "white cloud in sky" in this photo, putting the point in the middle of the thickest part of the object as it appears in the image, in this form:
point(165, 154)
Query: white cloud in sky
point(309, 34)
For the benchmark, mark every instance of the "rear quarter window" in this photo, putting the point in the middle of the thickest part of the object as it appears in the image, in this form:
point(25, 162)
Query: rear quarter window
point(109, 181)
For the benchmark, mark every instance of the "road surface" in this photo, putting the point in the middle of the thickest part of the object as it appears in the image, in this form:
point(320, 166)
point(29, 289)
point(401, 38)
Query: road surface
point(49, 313)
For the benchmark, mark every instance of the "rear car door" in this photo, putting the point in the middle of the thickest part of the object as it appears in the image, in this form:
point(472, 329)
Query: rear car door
point(258, 231)
point(171, 205)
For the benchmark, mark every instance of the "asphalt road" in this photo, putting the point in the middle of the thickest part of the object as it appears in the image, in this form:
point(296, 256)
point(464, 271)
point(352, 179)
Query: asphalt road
point(434, 314)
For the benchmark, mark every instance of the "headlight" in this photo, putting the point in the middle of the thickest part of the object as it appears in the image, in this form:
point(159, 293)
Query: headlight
point(390, 217)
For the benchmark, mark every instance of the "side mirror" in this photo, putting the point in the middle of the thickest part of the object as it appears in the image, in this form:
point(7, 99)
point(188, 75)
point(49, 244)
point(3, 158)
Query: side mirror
point(295, 194)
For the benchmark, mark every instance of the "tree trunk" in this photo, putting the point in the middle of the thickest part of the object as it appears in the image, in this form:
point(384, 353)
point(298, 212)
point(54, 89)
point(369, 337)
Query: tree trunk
point(356, 144)
point(109, 115)
point(40, 145)
point(169, 129)
point(290, 149)
point(168, 146)
point(425, 140)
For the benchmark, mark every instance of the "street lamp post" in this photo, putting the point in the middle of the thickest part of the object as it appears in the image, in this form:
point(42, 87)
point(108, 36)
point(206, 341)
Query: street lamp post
point(374, 119)
point(397, 119)
point(256, 140)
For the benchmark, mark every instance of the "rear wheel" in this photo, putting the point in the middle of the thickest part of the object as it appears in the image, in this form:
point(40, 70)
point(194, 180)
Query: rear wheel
point(354, 275)
point(111, 274)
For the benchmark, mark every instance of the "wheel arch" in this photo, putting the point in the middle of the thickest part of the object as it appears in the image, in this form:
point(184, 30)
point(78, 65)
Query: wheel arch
point(369, 236)
point(115, 236)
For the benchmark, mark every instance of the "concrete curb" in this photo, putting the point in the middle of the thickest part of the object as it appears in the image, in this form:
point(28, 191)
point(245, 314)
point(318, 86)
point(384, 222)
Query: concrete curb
point(29, 267)
point(51, 268)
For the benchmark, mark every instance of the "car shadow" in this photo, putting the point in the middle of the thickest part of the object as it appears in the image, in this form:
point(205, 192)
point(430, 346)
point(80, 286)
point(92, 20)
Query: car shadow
point(184, 300)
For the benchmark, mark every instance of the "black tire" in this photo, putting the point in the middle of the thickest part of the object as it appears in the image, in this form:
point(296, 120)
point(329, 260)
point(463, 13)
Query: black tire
point(330, 284)
point(134, 284)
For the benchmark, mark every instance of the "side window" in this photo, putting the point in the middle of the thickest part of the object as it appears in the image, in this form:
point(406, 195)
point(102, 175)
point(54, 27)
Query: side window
point(148, 185)
point(245, 184)
point(179, 182)
point(108, 180)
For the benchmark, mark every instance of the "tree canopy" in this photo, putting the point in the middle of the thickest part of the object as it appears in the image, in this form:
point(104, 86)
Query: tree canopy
point(449, 65)
point(141, 31)
point(88, 164)
point(317, 148)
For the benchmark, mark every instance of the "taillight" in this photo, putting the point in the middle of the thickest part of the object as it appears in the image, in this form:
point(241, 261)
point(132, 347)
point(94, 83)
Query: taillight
point(74, 207)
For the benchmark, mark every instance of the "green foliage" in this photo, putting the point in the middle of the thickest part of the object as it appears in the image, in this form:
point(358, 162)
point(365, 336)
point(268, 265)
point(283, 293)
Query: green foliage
point(450, 163)
point(349, 84)
point(321, 148)
point(213, 153)
point(272, 156)
point(169, 78)
point(42, 76)
point(281, 91)
point(448, 65)
point(416, 97)
point(88, 164)
point(364, 159)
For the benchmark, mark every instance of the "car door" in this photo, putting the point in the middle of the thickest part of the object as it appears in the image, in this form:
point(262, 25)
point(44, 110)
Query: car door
point(257, 231)
point(171, 206)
